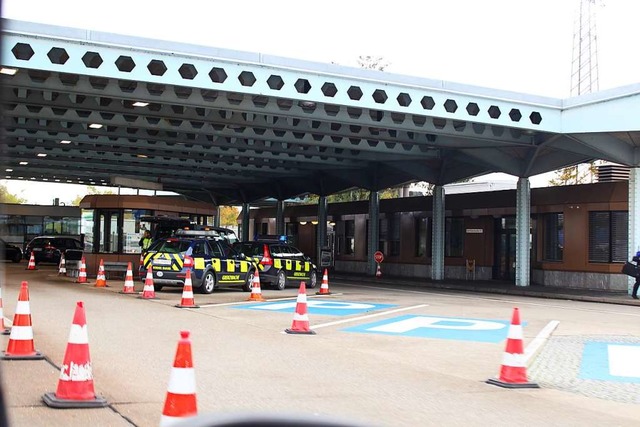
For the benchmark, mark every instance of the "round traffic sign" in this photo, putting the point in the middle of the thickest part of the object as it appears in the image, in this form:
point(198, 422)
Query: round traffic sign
point(378, 257)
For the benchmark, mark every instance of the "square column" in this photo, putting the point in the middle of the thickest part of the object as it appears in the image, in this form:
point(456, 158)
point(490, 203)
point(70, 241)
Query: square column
point(523, 232)
point(634, 221)
point(321, 230)
point(245, 222)
point(280, 217)
point(437, 237)
point(374, 230)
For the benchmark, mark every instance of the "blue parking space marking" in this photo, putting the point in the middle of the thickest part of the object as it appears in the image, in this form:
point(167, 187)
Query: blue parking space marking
point(318, 306)
point(609, 361)
point(448, 328)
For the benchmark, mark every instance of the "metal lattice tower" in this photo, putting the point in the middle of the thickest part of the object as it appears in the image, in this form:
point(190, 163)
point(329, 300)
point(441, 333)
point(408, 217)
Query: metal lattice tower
point(584, 64)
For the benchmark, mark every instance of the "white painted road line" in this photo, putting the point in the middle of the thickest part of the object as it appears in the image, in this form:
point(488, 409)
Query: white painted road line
point(338, 322)
point(537, 342)
point(269, 300)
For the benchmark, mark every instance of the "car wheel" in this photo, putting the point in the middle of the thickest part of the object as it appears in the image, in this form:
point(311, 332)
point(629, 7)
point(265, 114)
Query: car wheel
point(248, 285)
point(208, 282)
point(313, 279)
point(157, 287)
point(17, 258)
point(281, 280)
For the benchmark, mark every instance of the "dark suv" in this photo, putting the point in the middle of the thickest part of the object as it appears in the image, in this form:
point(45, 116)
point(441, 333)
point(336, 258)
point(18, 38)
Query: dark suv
point(279, 263)
point(211, 259)
point(11, 252)
point(50, 249)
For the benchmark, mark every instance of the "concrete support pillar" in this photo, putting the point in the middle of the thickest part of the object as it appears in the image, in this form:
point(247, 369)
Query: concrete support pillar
point(634, 220)
point(245, 222)
point(373, 233)
point(280, 217)
point(216, 218)
point(523, 232)
point(321, 237)
point(437, 238)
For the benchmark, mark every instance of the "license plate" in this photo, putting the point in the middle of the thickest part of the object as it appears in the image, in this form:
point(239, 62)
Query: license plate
point(161, 262)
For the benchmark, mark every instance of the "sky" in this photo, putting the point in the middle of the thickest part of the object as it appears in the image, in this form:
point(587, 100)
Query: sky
point(516, 45)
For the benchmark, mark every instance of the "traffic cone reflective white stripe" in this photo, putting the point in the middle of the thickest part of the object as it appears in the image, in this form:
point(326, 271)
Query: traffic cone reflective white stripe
point(82, 275)
point(62, 267)
point(3, 329)
point(21, 345)
point(324, 288)
point(513, 372)
point(256, 292)
point(300, 323)
point(187, 300)
point(32, 262)
point(181, 402)
point(378, 271)
point(75, 384)
point(148, 292)
point(101, 280)
point(129, 286)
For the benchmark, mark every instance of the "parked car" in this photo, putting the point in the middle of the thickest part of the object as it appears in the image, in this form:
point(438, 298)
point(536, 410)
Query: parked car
point(279, 263)
point(11, 252)
point(50, 249)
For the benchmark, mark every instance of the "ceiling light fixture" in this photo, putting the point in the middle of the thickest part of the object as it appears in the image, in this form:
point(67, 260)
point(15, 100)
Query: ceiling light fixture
point(140, 104)
point(8, 170)
point(95, 126)
point(65, 141)
point(24, 163)
point(41, 154)
point(8, 71)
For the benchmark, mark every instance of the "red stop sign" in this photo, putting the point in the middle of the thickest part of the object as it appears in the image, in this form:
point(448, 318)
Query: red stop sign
point(378, 257)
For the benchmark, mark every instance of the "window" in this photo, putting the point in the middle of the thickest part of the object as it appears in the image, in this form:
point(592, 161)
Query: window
point(349, 237)
point(420, 229)
point(608, 236)
point(553, 239)
point(394, 234)
point(453, 237)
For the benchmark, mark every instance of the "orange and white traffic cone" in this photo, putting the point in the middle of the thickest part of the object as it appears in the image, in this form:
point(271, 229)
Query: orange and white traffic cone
point(62, 267)
point(129, 286)
point(101, 279)
point(187, 300)
point(3, 329)
point(32, 262)
point(300, 323)
point(82, 274)
point(513, 373)
point(378, 271)
point(256, 292)
point(324, 288)
point(181, 402)
point(21, 345)
point(75, 384)
point(148, 292)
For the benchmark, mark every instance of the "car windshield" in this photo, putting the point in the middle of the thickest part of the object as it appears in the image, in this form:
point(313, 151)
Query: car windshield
point(170, 246)
point(249, 249)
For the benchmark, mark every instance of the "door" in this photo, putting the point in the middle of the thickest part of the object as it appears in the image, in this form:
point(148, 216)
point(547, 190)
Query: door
point(505, 249)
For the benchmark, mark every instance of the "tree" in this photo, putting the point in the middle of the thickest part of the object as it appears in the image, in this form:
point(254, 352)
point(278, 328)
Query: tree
point(574, 175)
point(228, 216)
point(91, 189)
point(372, 62)
point(6, 197)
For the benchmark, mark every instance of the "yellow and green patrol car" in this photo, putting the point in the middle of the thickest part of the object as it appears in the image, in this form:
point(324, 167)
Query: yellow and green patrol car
point(279, 263)
point(213, 263)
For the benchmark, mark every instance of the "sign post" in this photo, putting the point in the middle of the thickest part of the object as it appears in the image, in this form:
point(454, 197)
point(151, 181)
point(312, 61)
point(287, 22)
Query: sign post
point(378, 257)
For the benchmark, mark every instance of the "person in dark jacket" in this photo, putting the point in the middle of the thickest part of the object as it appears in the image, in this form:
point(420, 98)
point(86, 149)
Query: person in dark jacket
point(634, 293)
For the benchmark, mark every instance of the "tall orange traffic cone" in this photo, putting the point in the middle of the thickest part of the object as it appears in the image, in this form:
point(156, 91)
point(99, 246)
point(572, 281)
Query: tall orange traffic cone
point(513, 373)
point(101, 279)
point(300, 323)
point(82, 275)
point(181, 402)
point(256, 292)
point(148, 292)
point(21, 345)
point(187, 300)
point(3, 329)
point(129, 286)
point(62, 267)
point(32, 262)
point(75, 384)
point(324, 288)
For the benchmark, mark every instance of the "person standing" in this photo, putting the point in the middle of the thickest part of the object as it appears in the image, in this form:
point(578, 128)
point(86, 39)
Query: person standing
point(145, 241)
point(636, 285)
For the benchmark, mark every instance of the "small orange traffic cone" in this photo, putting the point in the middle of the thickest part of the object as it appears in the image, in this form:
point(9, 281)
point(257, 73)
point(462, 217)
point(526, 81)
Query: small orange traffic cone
point(101, 280)
point(75, 384)
point(513, 373)
point(3, 329)
point(256, 292)
point(181, 402)
point(82, 275)
point(187, 300)
point(62, 267)
point(378, 271)
point(129, 286)
point(32, 262)
point(300, 323)
point(21, 345)
point(148, 292)
point(324, 288)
